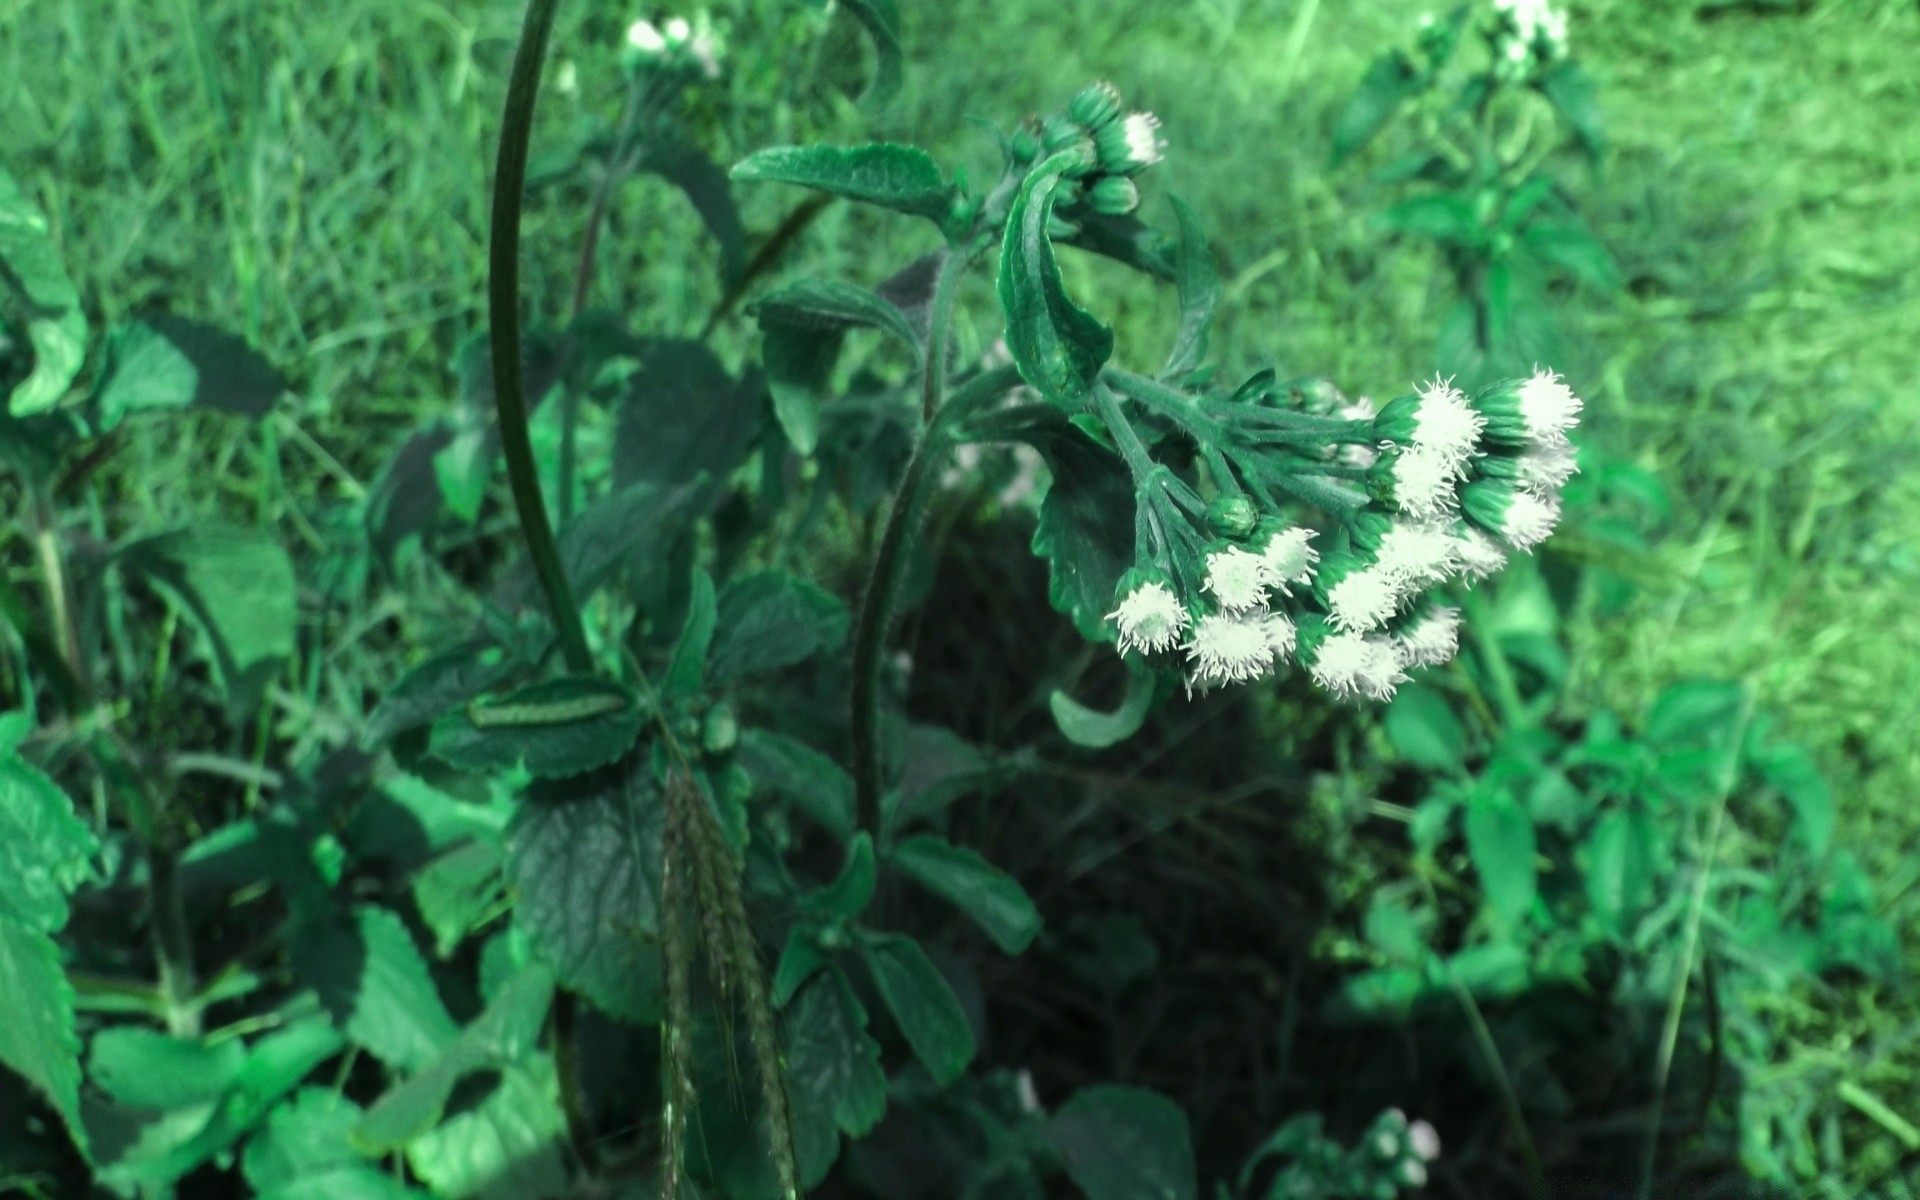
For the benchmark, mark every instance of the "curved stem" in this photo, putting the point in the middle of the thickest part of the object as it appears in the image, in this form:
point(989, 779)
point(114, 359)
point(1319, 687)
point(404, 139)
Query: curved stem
point(933, 380)
point(503, 320)
point(889, 564)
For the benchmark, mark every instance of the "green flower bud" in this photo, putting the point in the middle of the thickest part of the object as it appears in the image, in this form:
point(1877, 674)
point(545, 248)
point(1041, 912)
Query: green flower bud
point(1130, 145)
point(1024, 146)
point(1232, 516)
point(720, 732)
point(1367, 528)
point(1114, 195)
point(1096, 106)
point(1059, 133)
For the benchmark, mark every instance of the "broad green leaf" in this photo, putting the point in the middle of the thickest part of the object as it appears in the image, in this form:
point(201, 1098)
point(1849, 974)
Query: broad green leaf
point(505, 1034)
point(922, 1003)
point(1567, 88)
point(630, 528)
point(1500, 840)
point(46, 850)
point(846, 897)
point(510, 1146)
point(994, 899)
point(684, 416)
point(803, 326)
point(1096, 730)
point(457, 891)
point(145, 1068)
point(813, 782)
point(1127, 240)
point(1572, 249)
point(238, 584)
point(37, 1038)
point(558, 729)
point(32, 275)
point(1421, 725)
point(937, 767)
point(1058, 346)
point(303, 1153)
point(342, 1183)
point(881, 20)
point(903, 178)
point(1447, 219)
point(371, 978)
point(1392, 929)
point(583, 861)
point(686, 670)
point(826, 305)
point(1198, 281)
point(1699, 714)
point(1389, 82)
point(1491, 970)
point(707, 188)
point(799, 960)
point(1620, 867)
point(833, 1064)
point(770, 619)
point(165, 363)
point(1086, 528)
point(1124, 1143)
point(441, 683)
point(1791, 770)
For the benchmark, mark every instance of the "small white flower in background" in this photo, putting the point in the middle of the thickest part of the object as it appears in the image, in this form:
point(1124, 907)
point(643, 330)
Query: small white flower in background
point(1150, 619)
point(1549, 408)
point(1288, 557)
point(1546, 470)
point(1418, 555)
point(1282, 636)
point(642, 36)
point(1029, 1095)
point(1238, 578)
point(1363, 599)
point(1425, 1140)
point(1480, 555)
point(1230, 649)
point(1431, 640)
point(678, 30)
point(705, 47)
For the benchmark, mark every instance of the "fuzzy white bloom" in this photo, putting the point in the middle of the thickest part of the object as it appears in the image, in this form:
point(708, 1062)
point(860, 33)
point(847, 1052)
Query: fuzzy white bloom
point(642, 36)
point(1238, 578)
point(1431, 640)
point(1418, 555)
point(1364, 599)
point(1530, 519)
point(1144, 144)
point(1150, 619)
point(1549, 408)
point(1480, 555)
point(1446, 425)
point(679, 30)
point(1423, 483)
point(1282, 636)
point(1546, 470)
point(1425, 1140)
point(1356, 455)
point(1349, 664)
point(1230, 649)
point(704, 45)
point(1288, 557)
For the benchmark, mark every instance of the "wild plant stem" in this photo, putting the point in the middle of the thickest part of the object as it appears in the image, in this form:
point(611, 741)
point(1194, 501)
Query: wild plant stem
point(1506, 689)
point(503, 319)
point(883, 582)
point(933, 380)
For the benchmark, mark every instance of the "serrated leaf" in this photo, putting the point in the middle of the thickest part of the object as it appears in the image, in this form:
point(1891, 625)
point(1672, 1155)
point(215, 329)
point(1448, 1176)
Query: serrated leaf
point(686, 669)
point(1422, 727)
point(1501, 842)
point(881, 20)
point(803, 326)
point(1058, 346)
point(833, 1064)
point(830, 304)
point(1197, 279)
point(510, 1146)
point(902, 178)
point(816, 784)
point(37, 1039)
point(1123, 1143)
point(165, 363)
point(1097, 730)
point(1391, 81)
point(922, 1003)
point(31, 271)
point(684, 416)
point(238, 585)
point(770, 619)
point(303, 1153)
point(145, 1068)
point(46, 850)
point(1086, 528)
point(441, 683)
point(583, 862)
point(560, 728)
point(992, 898)
point(371, 979)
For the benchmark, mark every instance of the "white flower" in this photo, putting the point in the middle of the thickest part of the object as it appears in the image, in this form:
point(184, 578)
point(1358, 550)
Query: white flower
point(1288, 557)
point(1445, 424)
point(1418, 555)
point(1431, 640)
point(1282, 636)
point(1238, 578)
point(1349, 664)
point(642, 36)
point(678, 30)
point(1230, 649)
point(1363, 599)
point(1480, 555)
point(1423, 483)
point(1150, 619)
point(1144, 145)
point(1425, 1141)
point(1547, 469)
point(1549, 408)
point(1530, 519)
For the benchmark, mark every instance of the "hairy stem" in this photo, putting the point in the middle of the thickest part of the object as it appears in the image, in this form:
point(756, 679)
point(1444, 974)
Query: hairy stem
point(933, 380)
point(503, 319)
point(889, 565)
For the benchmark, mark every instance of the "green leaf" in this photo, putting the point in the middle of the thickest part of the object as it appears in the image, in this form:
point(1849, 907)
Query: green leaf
point(1391, 81)
point(728, 1137)
point(560, 728)
point(1702, 714)
point(923, 1004)
point(1620, 867)
point(370, 977)
point(1124, 1143)
point(1058, 346)
point(303, 1153)
point(1197, 278)
point(1086, 528)
point(833, 1064)
point(458, 891)
point(631, 528)
point(1096, 730)
point(994, 899)
point(770, 619)
point(1446, 218)
point(803, 326)
point(1572, 249)
point(903, 178)
point(144, 1068)
point(1421, 725)
point(827, 305)
point(799, 960)
point(511, 1146)
point(846, 897)
point(32, 274)
point(881, 20)
point(687, 668)
point(37, 1039)
point(1500, 840)
point(1392, 929)
point(165, 363)
point(684, 416)
point(1567, 88)
point(813, 782)
point(238, 585)
point(583, 862)
point(441, 683)
point(707, 188)
point(1791, 770)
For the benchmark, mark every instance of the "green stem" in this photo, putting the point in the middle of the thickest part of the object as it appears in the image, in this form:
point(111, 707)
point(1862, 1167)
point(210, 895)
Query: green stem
point(1506, 689)
point(503, 318)
point(883, 582)
point(933, 379)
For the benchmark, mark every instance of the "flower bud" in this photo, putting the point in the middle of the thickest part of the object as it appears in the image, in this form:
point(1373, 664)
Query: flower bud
point(1232, 516)
point(1130, 145)
point(1520, 519)
point(720, 731)
point(1059, 134)
point(1024, 146)
point(1114, 195)
point(1095, 106)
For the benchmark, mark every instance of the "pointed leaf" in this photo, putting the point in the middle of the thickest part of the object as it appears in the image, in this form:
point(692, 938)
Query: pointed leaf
point(1096, 730)
point(1391, 81)
point(1198, 281)
point(166, 362)
point(1058, 346)
point(559, 728)
point(770, 619)
point(1500, 840)
point(372, 980)
point(686, 670)
point(32, 275)
point(816, 784)
point(846, 897)
point(1567, 88)
point(37, 1039)
point(684, 416)
point(1086, 528)
point(923, 1004)
point(708, 189)
point(903, 178)
point(145, 1068)
point(991, 897)
point(1422, 727)
point(834, 1064)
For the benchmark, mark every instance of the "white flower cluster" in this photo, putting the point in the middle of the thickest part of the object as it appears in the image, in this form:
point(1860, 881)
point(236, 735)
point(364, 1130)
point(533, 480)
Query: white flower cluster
point(677, 41)
point(1528, 28)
